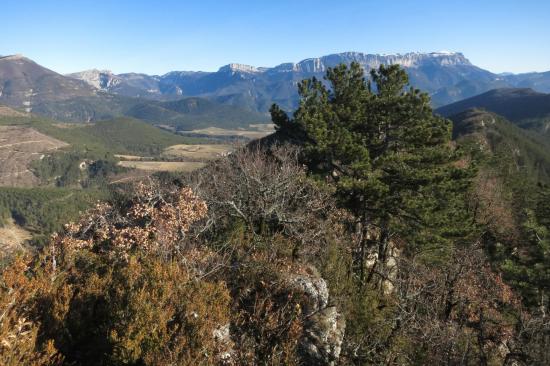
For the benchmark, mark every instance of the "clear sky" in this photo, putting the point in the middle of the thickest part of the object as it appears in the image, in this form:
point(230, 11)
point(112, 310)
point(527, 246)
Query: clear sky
point(163, 35)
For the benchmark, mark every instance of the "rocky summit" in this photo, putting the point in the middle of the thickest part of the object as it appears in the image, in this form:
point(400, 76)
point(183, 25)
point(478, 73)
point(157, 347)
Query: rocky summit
point(446, 76)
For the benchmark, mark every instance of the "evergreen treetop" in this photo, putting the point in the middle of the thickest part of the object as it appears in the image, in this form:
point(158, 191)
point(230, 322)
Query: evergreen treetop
point(391, 159)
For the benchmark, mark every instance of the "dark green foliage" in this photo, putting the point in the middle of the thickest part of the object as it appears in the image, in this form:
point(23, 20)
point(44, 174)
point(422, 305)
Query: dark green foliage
point(99, 170)
point(193, 113)
point(185, 114)
point(76, 169)
point(512, 148)
point(519, 165)
point(118, 136)
point(45, 210)
point(390, 157)
point(133, 136)
point(525, 108)
point(87, 164)
point(516, 105)
point(527, 266)
point(61, 169)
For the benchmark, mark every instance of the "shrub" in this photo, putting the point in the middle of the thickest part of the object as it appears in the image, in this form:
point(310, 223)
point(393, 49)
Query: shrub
point(118, 288)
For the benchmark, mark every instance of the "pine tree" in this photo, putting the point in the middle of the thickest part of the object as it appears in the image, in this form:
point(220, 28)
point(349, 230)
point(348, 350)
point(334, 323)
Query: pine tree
point(528, 266)
point(391, 159)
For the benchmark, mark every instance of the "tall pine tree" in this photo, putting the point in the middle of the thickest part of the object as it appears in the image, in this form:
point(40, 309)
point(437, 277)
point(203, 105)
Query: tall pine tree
point(390, 157)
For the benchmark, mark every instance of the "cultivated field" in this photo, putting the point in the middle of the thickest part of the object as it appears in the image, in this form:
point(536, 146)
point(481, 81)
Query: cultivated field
point(189, 158)
point(160, 166)
point(130, 176)
point(19, 146)
point(197, 152)
point(254, 132)
point(132, 157)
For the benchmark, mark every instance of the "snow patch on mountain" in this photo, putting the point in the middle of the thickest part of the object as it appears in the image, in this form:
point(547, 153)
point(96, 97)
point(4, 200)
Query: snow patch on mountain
point(241, 68)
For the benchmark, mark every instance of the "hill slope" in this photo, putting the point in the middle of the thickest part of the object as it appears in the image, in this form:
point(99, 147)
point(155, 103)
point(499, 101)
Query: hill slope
point(24, 84)
point(194, 113)
point(494, 134)
point(119, 136)
point(10, 112)
point(524, 107)
point(132, 136)
point(180, 114)
point(514, 104)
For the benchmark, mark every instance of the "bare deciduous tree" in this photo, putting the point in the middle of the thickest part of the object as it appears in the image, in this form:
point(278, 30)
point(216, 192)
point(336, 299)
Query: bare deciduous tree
point(268, 191)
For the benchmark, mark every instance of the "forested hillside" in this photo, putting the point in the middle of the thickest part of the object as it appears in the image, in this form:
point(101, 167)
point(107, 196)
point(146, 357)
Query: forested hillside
point(488, 132)
point(517, 105)
point(366, 231)
point(524, 107)
point(52, 172)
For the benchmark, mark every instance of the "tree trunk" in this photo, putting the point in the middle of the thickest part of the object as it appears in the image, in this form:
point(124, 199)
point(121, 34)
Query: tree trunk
point(363, 231)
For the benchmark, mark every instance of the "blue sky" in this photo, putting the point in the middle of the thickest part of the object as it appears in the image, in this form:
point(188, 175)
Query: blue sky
point(160, 36)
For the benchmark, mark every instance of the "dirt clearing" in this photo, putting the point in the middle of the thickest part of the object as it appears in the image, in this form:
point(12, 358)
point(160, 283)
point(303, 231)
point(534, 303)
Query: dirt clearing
point(197, 152)
point(255, 131)
point(163, 166)
point(12, 238)
point(19, 146)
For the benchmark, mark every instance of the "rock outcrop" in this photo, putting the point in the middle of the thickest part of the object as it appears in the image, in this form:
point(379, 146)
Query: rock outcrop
point(258, 87)
point(101, 79)
point(370, 61)
point(324, 326)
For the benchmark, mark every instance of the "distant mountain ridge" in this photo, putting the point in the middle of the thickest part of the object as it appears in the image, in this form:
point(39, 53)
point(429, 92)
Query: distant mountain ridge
point(368, 61)
point(446, 76)
point(29, 87)
point(246, 91)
